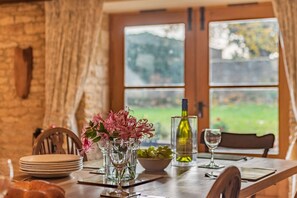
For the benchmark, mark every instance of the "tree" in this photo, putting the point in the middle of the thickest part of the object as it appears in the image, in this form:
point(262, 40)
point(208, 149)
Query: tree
point(153, 57)
point(259, 38)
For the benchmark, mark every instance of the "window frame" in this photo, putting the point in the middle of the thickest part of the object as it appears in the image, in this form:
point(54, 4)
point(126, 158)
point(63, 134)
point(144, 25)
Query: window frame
point(116, 75)
point(196, 57)
point(238, 12)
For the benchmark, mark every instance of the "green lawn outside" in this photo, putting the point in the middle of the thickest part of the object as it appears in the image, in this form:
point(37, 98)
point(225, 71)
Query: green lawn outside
point(260, 119)
point(161, 117)
point(247, 118)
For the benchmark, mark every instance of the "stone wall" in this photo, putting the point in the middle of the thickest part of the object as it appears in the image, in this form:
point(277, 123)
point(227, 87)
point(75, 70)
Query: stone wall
point(21, 25)
point(261, 70)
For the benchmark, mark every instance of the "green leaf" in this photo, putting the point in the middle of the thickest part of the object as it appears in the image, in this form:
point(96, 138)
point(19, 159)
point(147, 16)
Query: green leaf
point(102, 128)
point(97, 139)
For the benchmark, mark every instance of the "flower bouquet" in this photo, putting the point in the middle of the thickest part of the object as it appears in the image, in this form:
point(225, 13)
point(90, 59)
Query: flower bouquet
point(117, 125)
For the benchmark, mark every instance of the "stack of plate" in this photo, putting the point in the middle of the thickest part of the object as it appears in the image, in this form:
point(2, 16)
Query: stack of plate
point(50, 165)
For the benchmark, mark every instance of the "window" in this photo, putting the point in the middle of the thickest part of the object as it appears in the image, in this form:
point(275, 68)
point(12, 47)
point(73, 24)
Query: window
point(150, 78)
point(227, 64)
point(154, 74)
point(243, 76)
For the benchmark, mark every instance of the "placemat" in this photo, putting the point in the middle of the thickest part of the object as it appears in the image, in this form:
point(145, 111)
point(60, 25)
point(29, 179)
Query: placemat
point(101, 180)
point(250, 173)
point(254, 174)
point(220, 156)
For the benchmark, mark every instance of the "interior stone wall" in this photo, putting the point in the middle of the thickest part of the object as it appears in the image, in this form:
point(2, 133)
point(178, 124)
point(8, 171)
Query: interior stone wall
point(21, 25)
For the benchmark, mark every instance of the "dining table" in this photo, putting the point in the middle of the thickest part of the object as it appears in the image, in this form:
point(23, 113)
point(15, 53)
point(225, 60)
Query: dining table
point(174, 182)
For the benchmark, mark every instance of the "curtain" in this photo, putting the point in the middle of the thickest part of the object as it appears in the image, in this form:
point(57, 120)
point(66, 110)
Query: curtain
point(286, 12)
point(72, 31)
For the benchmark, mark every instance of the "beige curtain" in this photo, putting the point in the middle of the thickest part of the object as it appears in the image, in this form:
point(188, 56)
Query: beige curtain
point(72, 29)
point(286, 12)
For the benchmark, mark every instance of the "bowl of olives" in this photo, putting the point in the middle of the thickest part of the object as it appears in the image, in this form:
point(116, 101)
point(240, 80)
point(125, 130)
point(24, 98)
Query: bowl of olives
point(154, 159)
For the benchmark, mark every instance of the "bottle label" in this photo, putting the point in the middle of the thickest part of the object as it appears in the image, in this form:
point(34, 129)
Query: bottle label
point(184, 148)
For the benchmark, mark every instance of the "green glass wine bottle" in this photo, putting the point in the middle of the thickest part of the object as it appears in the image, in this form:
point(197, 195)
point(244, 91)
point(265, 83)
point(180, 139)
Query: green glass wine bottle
point(184, 136)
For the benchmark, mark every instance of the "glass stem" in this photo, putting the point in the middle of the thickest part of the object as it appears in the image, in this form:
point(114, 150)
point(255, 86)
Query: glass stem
point(104, 158)
point(119, 179)
point(211, 156)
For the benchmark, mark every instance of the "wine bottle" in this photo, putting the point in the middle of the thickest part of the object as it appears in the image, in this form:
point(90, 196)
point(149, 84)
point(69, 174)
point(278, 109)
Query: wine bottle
point(184, 136)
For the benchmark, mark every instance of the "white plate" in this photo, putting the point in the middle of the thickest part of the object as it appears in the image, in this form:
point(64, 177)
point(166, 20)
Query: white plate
point(50, 170)
point(50, 158)
point(51, 164)
point(48, 175)
point(46, 166)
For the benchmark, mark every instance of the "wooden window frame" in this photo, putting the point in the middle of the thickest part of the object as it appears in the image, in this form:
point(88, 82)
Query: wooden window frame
point(196, 57)
point(239, 12)
point(118, 22)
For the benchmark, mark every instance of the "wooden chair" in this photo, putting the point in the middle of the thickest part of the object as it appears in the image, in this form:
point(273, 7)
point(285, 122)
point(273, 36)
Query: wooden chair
point(245, 141)
point(227, 184)
point(57, 140)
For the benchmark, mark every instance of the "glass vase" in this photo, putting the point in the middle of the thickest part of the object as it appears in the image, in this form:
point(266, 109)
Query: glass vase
point(129, 171)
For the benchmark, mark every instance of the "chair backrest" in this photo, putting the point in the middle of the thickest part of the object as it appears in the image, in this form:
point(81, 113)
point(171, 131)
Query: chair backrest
point(227, 184)
point(57, 140)
point(245, 141)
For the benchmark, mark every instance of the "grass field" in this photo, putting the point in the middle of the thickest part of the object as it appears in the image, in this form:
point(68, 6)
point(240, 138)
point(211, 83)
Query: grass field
point(248, 118)
point(260, 119)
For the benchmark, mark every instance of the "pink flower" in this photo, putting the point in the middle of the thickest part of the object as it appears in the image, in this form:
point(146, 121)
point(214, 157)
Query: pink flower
point(116, 125)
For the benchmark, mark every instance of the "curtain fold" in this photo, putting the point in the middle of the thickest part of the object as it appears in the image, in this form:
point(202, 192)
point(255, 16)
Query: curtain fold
point(286, 13)
point(72, 31)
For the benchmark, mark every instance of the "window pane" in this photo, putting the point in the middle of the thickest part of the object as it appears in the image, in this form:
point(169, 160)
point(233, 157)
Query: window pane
point(244, 52)
point(154, 55)
point(245, 110)
point(157, 105)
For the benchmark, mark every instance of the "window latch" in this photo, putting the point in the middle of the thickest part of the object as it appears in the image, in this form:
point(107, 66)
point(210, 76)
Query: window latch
point(200, 106)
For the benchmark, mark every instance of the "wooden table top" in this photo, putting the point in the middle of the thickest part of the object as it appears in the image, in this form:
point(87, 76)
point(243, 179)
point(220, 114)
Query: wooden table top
point(181, 182)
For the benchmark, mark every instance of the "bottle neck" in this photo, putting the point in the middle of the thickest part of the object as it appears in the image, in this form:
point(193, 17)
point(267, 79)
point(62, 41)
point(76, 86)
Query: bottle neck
point(184, 107)
point(185, 113)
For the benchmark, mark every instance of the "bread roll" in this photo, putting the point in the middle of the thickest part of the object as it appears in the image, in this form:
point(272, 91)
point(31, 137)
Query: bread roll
point(35, 189)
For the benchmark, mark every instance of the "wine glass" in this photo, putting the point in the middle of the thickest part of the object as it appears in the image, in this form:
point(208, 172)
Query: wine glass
point(119, 152)
point(102, 144)
point(6, 175)
point(212, 138)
